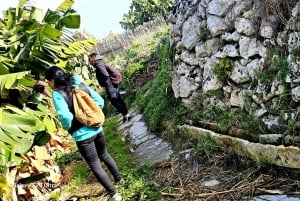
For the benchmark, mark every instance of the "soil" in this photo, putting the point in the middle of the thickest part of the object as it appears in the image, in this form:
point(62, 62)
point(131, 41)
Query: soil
point(185, 175)
point(238, 178)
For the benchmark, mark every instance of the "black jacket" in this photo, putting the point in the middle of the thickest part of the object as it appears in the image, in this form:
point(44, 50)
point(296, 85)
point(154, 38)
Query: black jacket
point(101, 73)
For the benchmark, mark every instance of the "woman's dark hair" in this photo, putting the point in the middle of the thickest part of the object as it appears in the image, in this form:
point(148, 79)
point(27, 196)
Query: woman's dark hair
point(62, 80)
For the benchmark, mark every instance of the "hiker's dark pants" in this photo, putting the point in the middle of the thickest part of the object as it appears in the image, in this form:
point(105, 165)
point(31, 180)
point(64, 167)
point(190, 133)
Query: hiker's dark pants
point(93, 150)
point(114, 97)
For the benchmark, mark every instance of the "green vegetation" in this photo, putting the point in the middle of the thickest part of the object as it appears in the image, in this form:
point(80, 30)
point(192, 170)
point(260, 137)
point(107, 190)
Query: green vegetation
point(62, 159)
point(277, 68)
point(218, 93)
point(138, 185)
point(296, 53)
point(154, 93)
point(223, 68)
point(263, 161)
point(292, 128)
point(80, 174)
point(207, 145)
point(202, 34)
point(142, 11)
point(121, 154)
point(30, 42)
point(55, 195)
point(226, 119)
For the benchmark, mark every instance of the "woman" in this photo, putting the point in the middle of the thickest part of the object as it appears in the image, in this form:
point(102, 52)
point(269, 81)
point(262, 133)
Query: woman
point(89, 140)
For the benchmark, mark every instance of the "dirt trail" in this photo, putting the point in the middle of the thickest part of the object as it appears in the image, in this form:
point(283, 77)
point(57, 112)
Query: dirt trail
point(193, 176)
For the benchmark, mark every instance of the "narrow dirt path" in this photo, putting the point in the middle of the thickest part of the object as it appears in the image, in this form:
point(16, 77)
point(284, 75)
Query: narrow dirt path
point(194, 176)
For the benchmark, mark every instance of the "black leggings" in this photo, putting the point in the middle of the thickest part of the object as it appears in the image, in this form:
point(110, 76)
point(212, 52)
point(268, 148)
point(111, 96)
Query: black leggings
point(114, 97)
point(93, 150)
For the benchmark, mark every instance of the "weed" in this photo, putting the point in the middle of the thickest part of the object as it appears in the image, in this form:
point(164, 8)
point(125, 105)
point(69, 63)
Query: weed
point(296, 53)
point(277, 68)
point(223, 68)
point(227, 118)
point(157, 94)
point(207, 145)
point(266, 161)
point(138, 184)
point(203, 33)
point(117, 146)
point(55, 195)
point(218, 93)
point(292, 128)
point(62, 159)
point(80, 173)
point(132, 52)
point(285, 100)
point(266, 77)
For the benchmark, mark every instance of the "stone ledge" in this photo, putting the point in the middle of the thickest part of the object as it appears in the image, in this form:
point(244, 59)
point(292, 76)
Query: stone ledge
point(288, 157)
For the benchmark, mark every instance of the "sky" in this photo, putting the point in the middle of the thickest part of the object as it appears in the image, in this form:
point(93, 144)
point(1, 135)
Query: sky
point(98, 17)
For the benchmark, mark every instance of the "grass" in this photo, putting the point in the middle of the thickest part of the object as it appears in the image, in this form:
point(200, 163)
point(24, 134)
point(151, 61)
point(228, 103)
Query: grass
point(162, 112)
point(80, 173)
point(117, 145)
point(207, 145)
point(138, 185)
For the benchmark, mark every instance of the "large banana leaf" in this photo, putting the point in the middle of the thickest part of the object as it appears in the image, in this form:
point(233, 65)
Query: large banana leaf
point(29, 41)
point(20, 127)
point(45, 116)
point(9, 80)
point(71, 21)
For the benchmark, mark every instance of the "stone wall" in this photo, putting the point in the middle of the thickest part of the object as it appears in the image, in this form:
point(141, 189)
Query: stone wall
point(258, 49)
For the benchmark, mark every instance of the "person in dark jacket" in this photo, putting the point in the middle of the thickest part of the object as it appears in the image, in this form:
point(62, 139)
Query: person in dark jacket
point(110, 80)
point(89, 140)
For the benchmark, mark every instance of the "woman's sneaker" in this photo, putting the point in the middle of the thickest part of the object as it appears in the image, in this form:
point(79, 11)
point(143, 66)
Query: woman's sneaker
point(120, 182)
point(115, 197)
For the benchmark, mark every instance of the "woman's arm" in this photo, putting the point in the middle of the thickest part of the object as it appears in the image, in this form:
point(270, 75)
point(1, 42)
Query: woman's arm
point(96, 97)
point(64, 114)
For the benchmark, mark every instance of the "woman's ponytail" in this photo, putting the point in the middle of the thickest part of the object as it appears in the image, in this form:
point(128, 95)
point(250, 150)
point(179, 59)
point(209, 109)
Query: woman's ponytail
point(62, 80)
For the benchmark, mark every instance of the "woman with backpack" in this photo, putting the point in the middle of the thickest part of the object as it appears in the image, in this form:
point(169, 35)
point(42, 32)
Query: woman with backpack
point(89, 140)
point(110, 78)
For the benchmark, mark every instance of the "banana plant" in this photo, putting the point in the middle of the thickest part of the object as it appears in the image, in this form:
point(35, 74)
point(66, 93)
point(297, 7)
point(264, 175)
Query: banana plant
point(29, 44)
point(20, 129)
point(31, 41)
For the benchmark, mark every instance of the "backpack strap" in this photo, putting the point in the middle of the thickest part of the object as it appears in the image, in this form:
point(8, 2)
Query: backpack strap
point(69, 99)
point(83, 87)
point(68, 96)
